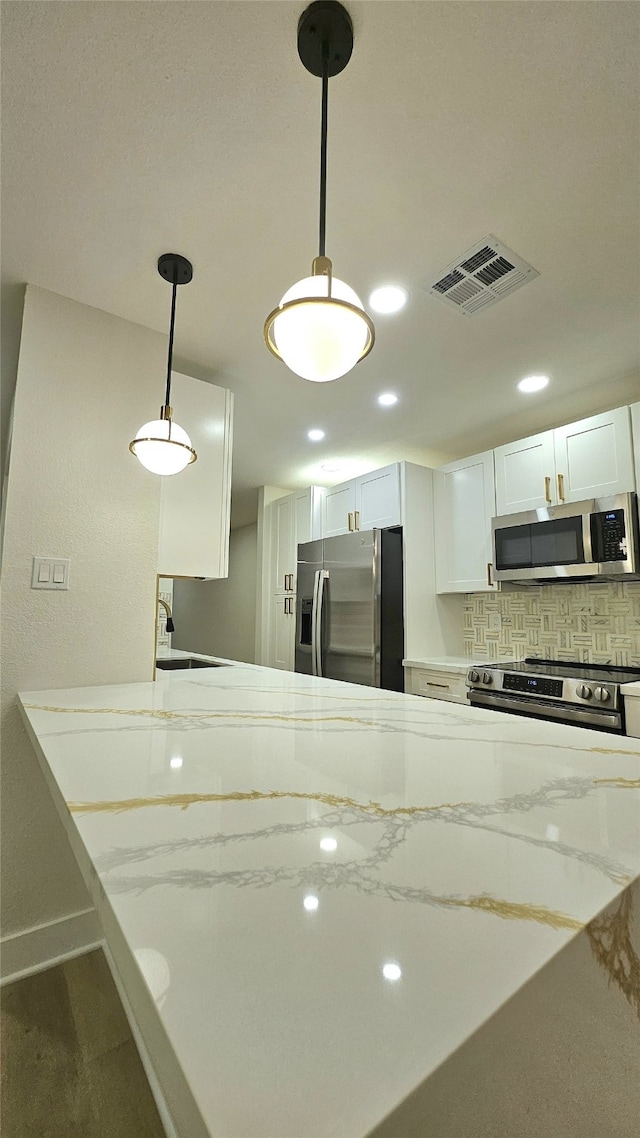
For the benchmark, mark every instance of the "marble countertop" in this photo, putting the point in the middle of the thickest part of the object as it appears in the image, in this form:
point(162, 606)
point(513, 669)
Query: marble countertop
point(447, 663)
point(318, 891)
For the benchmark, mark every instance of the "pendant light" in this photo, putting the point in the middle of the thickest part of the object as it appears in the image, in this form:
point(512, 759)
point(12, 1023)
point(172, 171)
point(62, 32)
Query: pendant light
point(320, 328)
point(161, 445)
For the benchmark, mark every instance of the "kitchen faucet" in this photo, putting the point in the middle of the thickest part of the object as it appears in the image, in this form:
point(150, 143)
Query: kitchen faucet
point(167, 608)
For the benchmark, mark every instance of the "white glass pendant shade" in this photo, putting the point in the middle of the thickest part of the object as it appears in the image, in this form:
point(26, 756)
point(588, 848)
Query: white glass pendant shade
point(163, 447)
point(321, 340)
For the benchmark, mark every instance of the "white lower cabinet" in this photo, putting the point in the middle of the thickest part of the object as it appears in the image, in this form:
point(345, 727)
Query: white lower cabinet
point(434, 684)
point(464, 504)
point(195, 504)
point(282, 621)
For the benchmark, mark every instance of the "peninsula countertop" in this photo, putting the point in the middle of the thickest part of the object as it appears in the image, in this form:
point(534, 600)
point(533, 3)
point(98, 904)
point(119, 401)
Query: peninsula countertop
point(315, 892)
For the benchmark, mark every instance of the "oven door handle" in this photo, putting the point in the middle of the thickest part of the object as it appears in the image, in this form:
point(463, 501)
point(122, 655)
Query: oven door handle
point(569, 714)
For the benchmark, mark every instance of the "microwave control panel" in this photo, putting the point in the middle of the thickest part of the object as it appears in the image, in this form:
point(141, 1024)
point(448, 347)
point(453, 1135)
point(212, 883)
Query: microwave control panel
point(609, 539)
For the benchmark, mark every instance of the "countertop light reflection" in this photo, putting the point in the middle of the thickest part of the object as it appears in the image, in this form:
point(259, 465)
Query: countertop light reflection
point(329, 844)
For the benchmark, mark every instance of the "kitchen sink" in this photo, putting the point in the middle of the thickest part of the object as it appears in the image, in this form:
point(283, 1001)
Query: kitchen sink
point(186, 662)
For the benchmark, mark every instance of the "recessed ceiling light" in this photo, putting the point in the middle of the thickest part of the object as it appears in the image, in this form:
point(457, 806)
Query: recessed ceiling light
point(391, 971)
point(533, 383)
point(331, 467)
point(387, 399)
point(389, 298)
point(315, 435)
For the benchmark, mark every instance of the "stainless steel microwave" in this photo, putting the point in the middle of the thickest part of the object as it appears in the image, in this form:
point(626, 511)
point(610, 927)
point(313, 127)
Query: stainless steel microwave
point(596, 538)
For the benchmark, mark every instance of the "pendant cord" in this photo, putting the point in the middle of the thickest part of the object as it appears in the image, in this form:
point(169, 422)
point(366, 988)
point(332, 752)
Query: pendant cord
point(323, 148)
point(167, 398)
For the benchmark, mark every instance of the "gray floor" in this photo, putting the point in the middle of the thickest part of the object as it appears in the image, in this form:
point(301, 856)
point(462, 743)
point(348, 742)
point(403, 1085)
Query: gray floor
point(70, 1068)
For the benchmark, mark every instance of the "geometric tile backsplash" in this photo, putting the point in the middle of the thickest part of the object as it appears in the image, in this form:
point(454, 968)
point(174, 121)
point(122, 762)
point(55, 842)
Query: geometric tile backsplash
point(595, 621)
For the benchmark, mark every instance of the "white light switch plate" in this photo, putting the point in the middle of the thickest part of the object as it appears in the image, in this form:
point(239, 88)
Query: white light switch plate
point(495, 621)
point(50, 573)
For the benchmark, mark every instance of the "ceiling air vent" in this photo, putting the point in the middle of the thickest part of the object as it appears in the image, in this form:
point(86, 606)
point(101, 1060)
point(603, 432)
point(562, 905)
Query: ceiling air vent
point(482, 276)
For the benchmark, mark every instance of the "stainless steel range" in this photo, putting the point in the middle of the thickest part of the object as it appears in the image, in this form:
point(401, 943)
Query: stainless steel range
point(587, 695)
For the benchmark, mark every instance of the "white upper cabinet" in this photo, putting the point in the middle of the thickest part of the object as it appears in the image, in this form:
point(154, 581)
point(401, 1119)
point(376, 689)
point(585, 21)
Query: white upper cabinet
point(635, 431)
point(282, 515)
point(525, 474)
point(378, 498)
point(308, 514)
point(371, 501)
point(592, 458)
point(338, 509)
point(195, 504)
point(464, 504)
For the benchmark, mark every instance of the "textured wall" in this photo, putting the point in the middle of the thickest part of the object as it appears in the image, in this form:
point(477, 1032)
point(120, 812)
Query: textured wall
point(86, 381)
point(599, 622)
point(218, 618)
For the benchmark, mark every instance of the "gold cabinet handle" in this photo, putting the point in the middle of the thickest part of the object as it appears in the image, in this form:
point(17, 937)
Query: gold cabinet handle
point(489, 568)
point(547, 490)
point(561, 487)
point(350, 523)
point(433, 685)
point(356, 519)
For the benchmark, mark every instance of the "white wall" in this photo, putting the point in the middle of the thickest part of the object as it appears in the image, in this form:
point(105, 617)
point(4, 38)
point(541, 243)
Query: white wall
point(218, 618)
point(86, 381)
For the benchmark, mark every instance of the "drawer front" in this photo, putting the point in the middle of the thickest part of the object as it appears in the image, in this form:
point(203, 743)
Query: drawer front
point(439, 685)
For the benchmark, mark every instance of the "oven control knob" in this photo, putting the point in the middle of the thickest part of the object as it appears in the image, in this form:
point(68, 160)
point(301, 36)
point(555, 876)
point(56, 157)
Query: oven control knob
point(474, 676)
point(602, 694)
point(583, 691)
point(487, 677)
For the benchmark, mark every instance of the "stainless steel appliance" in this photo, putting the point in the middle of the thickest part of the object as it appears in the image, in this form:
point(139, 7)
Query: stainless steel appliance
point(596, 538)
point(587, 695)
point(349, 618)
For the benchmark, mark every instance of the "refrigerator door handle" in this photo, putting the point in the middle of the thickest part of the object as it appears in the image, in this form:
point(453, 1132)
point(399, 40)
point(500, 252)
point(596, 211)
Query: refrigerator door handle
point(316, 622)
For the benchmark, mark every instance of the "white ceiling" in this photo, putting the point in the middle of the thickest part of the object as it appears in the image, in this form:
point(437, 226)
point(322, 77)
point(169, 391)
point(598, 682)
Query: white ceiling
point(132, 129)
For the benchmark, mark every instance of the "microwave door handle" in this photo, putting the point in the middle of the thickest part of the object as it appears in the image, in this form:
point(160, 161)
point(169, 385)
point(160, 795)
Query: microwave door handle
point(586, 539)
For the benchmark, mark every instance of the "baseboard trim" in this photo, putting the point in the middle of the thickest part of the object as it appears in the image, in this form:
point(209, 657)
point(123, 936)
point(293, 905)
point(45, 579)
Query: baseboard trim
point(43, 946)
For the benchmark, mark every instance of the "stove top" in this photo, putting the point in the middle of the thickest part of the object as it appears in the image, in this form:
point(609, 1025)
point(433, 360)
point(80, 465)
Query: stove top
point(608, 673)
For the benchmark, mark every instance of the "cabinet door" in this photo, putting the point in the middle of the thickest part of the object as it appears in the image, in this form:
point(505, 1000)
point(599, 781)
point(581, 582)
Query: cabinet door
point(308, 509)
point(594, 457)
point(281, 632)
point(635, 431)
point(339, 502)
point(378, 498)
point(195, 504)
point(464, 504)
point(283, 556)
point(525, 474)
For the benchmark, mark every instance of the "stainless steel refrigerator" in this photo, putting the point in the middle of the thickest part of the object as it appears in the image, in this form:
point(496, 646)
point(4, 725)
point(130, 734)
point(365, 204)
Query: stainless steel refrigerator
point(349, 616)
